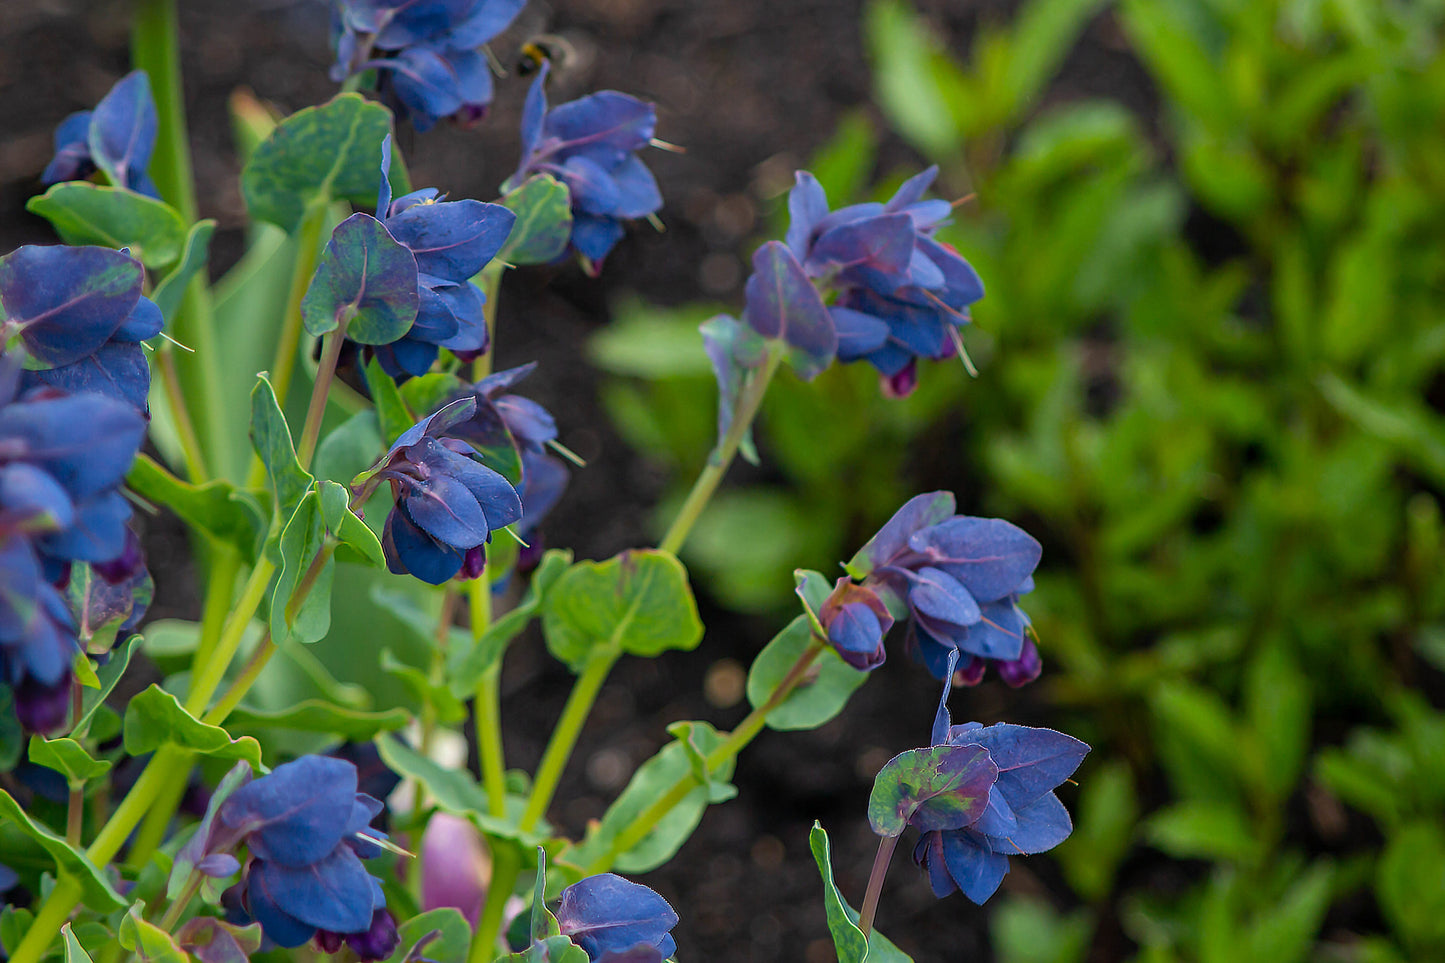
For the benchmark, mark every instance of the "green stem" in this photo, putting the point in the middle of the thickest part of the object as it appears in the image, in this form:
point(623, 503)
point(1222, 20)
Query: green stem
point(506, 866)
point(748, 404)
point(220, 591)
point(48, 921)
point(219, 712)
point(647, 820)
point(191, 451)
point(487, 709)
point(875, 883)
point(490, 280)
point(316, 410)
point(157, 820)
point(564, 737)
point(205, 681)
point(155, 48)
point(177, 908)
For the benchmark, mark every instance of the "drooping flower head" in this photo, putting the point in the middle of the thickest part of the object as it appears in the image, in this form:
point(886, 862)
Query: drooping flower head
point(451, 241)
point(957, 580)
point(447, 502)
point(306, 830)
point(117, 137)
point(900, 294)
point(612, 918)
point(426, 52)
point(590, 145)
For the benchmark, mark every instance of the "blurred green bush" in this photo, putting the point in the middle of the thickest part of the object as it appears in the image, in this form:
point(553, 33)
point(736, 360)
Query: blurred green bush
point(1212, 361)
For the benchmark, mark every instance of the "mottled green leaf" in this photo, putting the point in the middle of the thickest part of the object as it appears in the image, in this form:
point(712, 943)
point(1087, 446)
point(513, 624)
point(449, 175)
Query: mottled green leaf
point(637, 602)
point(544, 221)
point(324, 153)
point(941, 787)
point(271, 439)
point(365, 283)
point(296, 617)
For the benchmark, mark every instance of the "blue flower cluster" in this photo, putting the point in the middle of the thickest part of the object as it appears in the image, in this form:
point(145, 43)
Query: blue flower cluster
point(426, 53)
point(957, 579)
point(901, 295)
point(451, 241)
point(1023, 815)
point(117, 137)
point(65, 448)
point(447, 502)
point(590, 145)
point(306, 830)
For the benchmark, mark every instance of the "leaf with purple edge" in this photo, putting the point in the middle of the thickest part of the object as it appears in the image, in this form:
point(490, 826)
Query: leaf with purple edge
point(365, 284)
point(215, 941)
point(813, 588)
point(733, 349)
point(67, 301)
point(942, 787)
point(919, 512)
point(194, 850)
point(782, 304)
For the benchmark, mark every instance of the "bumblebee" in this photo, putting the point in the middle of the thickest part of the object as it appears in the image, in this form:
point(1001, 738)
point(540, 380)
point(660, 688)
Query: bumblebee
point(545, 48)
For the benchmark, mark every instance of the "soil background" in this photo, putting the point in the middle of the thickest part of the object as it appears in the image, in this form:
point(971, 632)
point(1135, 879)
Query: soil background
point(750, 88)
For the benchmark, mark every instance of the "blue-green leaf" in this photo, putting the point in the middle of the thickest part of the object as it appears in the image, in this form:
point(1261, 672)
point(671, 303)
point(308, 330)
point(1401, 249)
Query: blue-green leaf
point(365, 284)
point(85, 213)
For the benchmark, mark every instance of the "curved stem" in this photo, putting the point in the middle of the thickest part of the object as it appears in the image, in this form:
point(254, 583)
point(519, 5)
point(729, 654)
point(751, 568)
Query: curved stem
point(204, 682)
point(746, 410)
point(158, 818)
point(647, 820)
point(219, 712)
point(564, 737)
point(308, 249)
point(220, 591)
point(316, 410)
point(875, 883)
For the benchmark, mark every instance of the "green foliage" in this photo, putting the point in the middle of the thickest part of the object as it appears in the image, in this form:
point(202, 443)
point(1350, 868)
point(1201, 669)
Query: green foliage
point(67, 859)
point(168, 293)
point(155, 718)
point(544, 221)
point(818, 698)
point(84, 213)
point(217, 508)
point(848, 939)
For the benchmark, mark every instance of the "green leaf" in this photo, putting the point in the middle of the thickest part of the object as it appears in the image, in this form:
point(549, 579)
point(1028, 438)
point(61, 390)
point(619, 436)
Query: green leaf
point(689, 735)
point(100, 608)
point(74, 952)
point(358, 542)
point(457, 792)
point(108, 675)
point(652, 779)
point(317, 155)
point(1029, 931)
point(1410, 884)
point(544, 221)
point(1105, 817)
point(14, 924)
point(819, 697)
point(350, 448)
point(318, 715)
point(391, 410)
point(168, 293)
point(85, 213)
point(637, 602)
point(554, 949)
point(308, 619)
point(365, 284)
point(1406, 424)
point(156, 718)
point(1286, 933)
point(217, 508)
point(544, 924)
point(1202, 830)
point(852, 946)
point(902, 50)
point(468, 663)
point(424, 690)
point(69, 861)
point(147, 940)
point(1278, 706)
point(941, 787)
point(271, 439)
point(441, 935)
point(67, 757)
point(12, 736)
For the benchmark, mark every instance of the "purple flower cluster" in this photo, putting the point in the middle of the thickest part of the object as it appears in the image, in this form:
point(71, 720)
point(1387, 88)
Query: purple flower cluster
point(426, 52)
point(451, 241)
point(66, 444)
point(447, 502)
point(306, 830)
point(957, 580)
point(900, 294)
point(590, 145)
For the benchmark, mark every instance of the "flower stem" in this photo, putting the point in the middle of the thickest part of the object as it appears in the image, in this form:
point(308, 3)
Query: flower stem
point(155, 48)
point(487, 708)
point(209, 674)
point(746, 410)
point(191, 451)
point(233, 696)
point(308, 249)
point(564, 737)
point(647, 820)
point(316, 410)
point(75, 805)
point(506, 866)
point(178, 907)
point(490, 280)
point(875, 883)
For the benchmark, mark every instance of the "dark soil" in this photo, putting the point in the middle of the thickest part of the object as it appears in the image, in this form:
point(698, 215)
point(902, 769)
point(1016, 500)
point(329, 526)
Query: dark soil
point(751, 88)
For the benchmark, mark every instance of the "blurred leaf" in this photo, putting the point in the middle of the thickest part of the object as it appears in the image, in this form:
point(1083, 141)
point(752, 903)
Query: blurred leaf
point(391, 410)
point(1406, 424)
point(148, 941)
point(155, 718)
point(69, 861)
point(905, 55)
point(168, 293)
point(1278, 704)
point(647, 341)
point(544, 221)
point(85, 213)
point(1202, 830)
point(217, 508)
point(1027, 931)
point(1285, 933)
point(315, 715)
point(1410, 885)
point(1105, 819)
point(467, 663)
